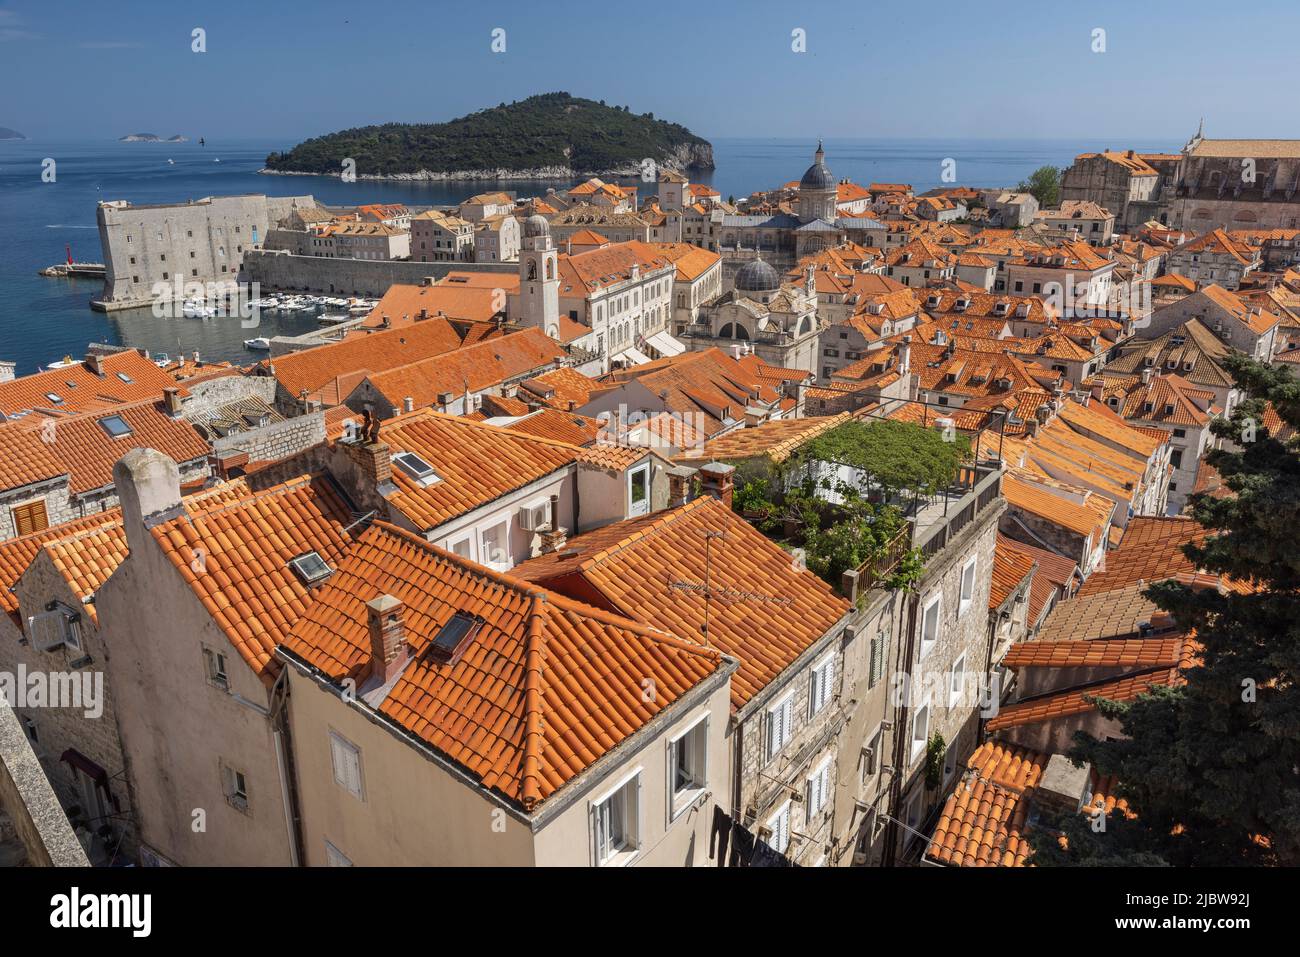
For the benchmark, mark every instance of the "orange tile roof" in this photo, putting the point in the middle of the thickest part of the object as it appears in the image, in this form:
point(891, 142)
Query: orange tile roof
point(25, 457)
point(584, 273)
point(544, 688)
point(633, 565)
point(79, 388)
point(986, 819)
point(1010, 568)
point(559, 387)
point(1063, 704)
point(691, 261)
point(774, 440)
point(473, 302)
point(476, 462)
point(469, 368)
point(1150, 551)
point(89, 453)
point(16, 554)
point(1097, 653)
point(235, 557)
point(1035, 498)
point(561, 426)
point(314, 368)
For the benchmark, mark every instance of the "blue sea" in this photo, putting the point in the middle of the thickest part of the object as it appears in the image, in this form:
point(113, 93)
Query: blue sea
point(41, 319)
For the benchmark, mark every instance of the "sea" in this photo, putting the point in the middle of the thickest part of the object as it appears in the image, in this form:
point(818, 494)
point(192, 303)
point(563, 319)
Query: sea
point(45, 210)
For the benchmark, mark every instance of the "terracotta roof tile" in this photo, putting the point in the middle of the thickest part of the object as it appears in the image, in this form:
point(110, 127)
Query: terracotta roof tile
point(235, 556)
point(1118, 653)
point(633, 566)
point(1010, 568)
point(543, 689)
point(128, 376)
point(1074, 701)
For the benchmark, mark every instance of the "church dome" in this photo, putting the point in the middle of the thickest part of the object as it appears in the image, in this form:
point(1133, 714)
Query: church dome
point(817, 176)
point(757, 276)
point(536, 226)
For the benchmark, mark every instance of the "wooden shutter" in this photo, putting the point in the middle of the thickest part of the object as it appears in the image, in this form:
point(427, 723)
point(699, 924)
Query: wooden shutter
point(30, 517)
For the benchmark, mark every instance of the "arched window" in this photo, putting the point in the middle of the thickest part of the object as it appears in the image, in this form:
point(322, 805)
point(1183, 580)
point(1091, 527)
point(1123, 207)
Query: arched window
point(733, 330)
point(550, 269)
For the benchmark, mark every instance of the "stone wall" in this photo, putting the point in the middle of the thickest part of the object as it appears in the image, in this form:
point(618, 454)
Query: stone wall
point(26, 796)
point(58, 506)
point(278, 440)
point(281, 271)
point(207, 397)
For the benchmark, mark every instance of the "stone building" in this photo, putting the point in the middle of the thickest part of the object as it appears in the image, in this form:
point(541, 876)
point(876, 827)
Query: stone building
point(777, 320)
point(167, 244)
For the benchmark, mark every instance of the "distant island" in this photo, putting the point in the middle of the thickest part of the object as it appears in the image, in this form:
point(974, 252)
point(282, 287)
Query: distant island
point(548, 136)
point(152, 138)
point(8, 134)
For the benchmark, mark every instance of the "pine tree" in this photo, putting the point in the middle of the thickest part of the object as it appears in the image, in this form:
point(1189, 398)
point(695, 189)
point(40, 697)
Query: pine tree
point(1212, 767)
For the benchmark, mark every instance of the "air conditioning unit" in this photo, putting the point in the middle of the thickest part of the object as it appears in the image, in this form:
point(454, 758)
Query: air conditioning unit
point(54, 627)
point(535, 517)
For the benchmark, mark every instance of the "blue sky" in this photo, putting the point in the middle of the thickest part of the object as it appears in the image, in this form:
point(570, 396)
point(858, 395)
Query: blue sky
point(81, 70)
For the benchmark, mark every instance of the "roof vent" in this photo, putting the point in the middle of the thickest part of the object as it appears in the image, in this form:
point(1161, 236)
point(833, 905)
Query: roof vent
point(450, 641)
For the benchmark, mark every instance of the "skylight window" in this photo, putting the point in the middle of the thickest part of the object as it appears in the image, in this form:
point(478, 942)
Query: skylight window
point(115, 426)
point(125, 378)
point(310, 568)
point(417, 468)
point(453, 635)
point(54, 397)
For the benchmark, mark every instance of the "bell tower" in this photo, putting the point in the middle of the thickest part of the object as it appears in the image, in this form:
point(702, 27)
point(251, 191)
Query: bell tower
point(539, 278)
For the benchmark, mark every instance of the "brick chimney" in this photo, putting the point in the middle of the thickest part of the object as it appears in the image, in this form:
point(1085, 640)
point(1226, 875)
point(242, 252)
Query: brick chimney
point(372, 458)
point(388, 645)
point(172, 401)
point(717, 480)
point(96, 363)
point(679, 485)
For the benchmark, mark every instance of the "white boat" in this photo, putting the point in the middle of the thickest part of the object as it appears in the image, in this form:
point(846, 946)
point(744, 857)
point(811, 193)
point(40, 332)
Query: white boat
point(260, 344)
point(334, 318)
point(62, 363)
point(359, 310)
point(268, 303)
point(197, 309)
point(162, 360)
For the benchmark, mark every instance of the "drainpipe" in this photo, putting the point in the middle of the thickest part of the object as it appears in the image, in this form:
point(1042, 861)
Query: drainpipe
point(901, 738)
point(280, 733)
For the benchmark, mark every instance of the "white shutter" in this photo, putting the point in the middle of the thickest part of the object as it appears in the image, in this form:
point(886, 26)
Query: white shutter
point(347, 764)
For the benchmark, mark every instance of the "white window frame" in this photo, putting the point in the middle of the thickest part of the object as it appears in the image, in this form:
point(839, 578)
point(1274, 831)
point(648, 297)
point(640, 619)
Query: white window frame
point(632, 509)
point(217, 668)
point(956, 691)
point(343, 776)
point(485, 556)
point(918, 746)
point(624, 855)
point(771, 746)
point(467, 540)
point(779, 825)
point(821, 685)
point(937, 605)
point(230, 787)
point(964, 600)
point(679, 801)
point(818, 790)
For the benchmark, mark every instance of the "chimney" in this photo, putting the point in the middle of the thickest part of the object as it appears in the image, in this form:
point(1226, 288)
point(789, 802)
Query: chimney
point(96, 363)
point(196, 356)
point(149, 490)
point(1063, 787)
point(679, 485)
point(388, 645)
point(408, 404)
point(716, 477)
point(1099, 392)
point(372, 458)
point(1147, 374)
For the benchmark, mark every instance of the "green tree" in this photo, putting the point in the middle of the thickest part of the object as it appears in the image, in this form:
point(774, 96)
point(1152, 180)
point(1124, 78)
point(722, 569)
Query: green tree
point(1212, 767)
point(1045, 185)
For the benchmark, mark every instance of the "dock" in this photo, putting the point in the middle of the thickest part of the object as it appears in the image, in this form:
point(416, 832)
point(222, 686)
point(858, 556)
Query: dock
point(74, 270)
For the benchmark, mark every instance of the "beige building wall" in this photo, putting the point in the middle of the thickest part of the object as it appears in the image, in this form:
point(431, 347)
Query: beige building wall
point(418, 809)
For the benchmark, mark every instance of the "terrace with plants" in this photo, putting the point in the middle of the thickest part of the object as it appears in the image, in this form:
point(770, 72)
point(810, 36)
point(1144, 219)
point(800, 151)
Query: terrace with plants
point(867, 502)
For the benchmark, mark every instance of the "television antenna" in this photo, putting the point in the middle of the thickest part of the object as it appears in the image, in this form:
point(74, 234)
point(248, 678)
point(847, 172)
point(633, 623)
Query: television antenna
point(724, 594)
